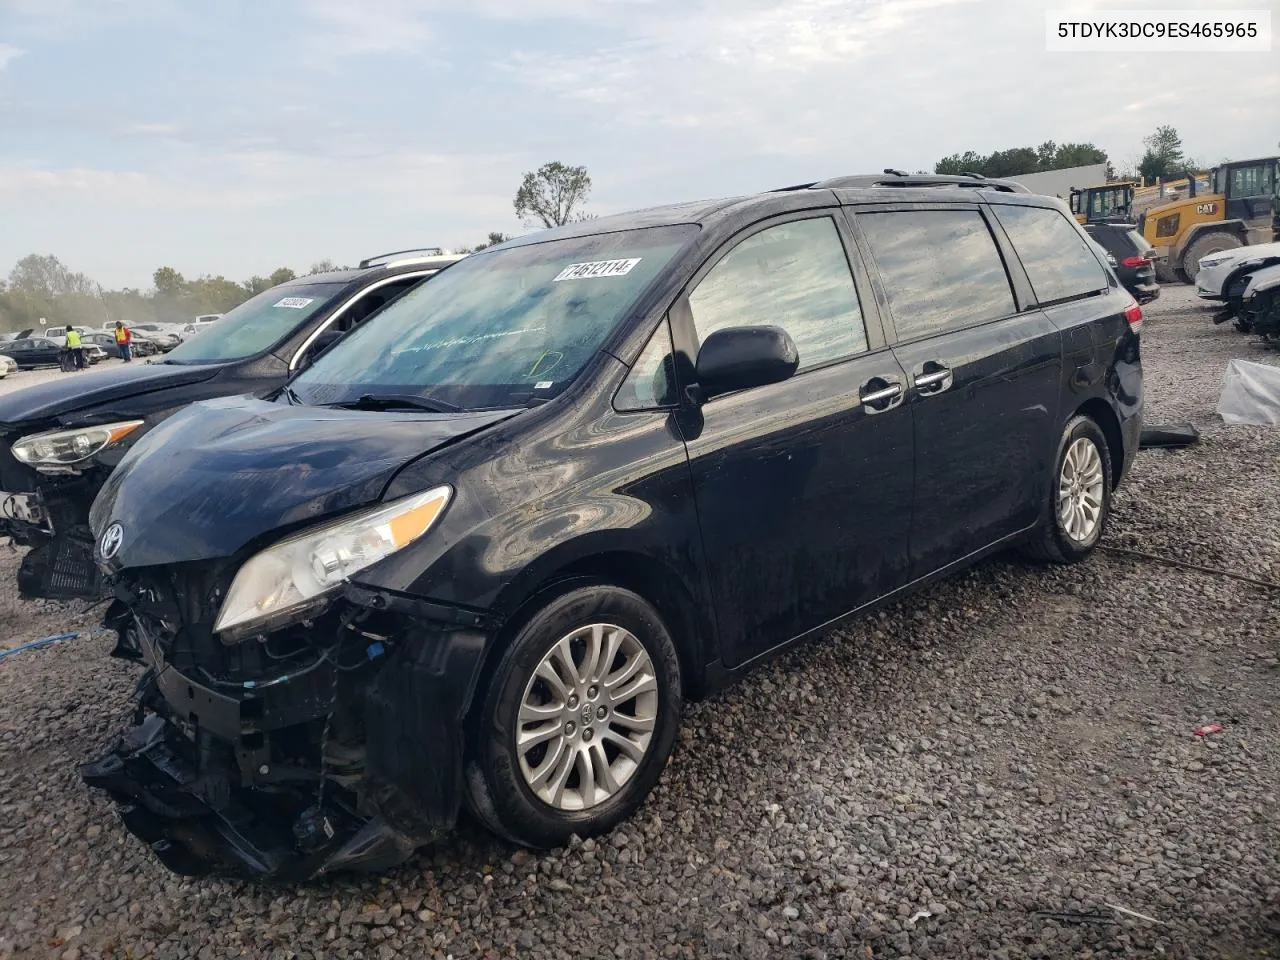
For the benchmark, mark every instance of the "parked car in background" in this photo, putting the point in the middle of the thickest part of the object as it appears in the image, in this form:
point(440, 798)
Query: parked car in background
point(1218, 270)
point(60, 441)
point(106, 342)
point(164, 336)
point(93, 353)
point(1132, 258)
point(481, 551)
point(8, 365)
point(32, 352)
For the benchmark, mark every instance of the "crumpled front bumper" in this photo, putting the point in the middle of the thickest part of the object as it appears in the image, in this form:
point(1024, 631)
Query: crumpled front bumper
point(155, 788)
point(214, 780)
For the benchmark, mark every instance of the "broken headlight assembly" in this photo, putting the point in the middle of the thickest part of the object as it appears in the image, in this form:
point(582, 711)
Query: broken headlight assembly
point(61, 450)
point(291, 579)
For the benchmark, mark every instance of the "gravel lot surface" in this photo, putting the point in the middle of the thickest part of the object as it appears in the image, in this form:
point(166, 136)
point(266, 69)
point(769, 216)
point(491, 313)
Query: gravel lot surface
point(926, 782)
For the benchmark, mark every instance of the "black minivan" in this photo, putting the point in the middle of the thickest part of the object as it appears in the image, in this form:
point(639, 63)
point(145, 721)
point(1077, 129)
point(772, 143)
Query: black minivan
point(60, 440)
point(482, 550)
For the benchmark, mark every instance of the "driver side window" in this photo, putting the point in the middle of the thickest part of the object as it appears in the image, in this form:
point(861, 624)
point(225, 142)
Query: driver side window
point(795, 276)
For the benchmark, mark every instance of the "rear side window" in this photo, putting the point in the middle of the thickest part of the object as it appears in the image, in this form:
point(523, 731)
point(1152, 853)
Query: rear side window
point(941, 269)
point(1058, 262)
point(794, 276)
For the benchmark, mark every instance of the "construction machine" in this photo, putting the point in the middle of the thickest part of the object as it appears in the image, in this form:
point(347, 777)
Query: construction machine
point(1109, 203)
point(1242, 208)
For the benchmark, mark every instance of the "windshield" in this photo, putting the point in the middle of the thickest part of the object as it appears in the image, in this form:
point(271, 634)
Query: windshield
point(256, 325)
point(499, 328)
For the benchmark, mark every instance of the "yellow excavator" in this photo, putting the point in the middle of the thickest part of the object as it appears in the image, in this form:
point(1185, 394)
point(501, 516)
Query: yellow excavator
point(1242, 207)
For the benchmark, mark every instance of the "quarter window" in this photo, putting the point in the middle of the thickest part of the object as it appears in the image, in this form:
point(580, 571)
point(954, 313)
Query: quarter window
point(1058, 262)
point(795, 276)
point(651, 383)
point(941, 269)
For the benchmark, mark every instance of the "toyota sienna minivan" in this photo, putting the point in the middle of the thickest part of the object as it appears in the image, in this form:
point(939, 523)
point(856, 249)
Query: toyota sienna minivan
point(478, 554)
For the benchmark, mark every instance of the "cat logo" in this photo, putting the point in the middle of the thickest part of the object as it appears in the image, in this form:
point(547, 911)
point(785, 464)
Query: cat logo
point(1203, 208)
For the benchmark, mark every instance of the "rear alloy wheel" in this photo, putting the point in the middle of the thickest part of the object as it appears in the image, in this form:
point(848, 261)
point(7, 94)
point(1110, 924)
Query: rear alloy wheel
point(578, 721)
point(1080, 496)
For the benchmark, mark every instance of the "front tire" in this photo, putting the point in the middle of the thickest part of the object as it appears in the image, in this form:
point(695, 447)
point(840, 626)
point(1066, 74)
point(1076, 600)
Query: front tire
point(1079, 496)
point(578, 720)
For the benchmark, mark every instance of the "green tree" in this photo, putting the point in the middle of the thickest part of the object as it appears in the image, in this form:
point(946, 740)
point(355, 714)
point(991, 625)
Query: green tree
point(1046, 155)
point(495, 238)
point(322, 266)
point(1077, 155)
point(959, 163)
point(552, 194)
point(168, 282)
point(1163, 157)
point(281, 275)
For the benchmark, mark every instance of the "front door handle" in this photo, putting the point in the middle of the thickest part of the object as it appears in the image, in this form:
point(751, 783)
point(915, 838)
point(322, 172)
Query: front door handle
point(880, 394)
point(933, 378)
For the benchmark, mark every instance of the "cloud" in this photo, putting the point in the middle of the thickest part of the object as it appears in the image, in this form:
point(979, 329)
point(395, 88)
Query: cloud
point(372, 26)
point(153, 129)
point(8, 53)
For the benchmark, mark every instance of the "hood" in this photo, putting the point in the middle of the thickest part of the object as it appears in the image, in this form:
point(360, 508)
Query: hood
point(1259, 251)
point(1268, 278)
point(70, 394)
point(222, 473)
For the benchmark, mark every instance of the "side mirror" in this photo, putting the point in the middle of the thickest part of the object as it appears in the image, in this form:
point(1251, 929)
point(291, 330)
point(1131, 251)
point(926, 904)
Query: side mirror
point(738, 358)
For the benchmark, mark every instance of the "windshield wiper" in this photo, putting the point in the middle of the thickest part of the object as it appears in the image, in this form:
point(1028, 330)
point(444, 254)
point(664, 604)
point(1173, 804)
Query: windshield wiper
point(390, 401)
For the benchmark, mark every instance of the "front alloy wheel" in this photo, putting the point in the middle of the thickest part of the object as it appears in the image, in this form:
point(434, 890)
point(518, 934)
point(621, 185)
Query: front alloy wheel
point(587, 717)
point(578, 719)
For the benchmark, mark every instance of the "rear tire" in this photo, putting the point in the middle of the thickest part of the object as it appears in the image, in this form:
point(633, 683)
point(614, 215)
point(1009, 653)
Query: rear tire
point(1214, 242)
point(578, 720)
point(1079, 496)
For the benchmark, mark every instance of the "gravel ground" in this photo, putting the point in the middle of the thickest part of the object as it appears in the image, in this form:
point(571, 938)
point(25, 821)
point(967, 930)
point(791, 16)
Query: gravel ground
point(926, 783)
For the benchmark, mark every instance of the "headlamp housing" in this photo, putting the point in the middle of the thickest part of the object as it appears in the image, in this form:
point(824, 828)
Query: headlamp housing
point(292, 579)
point(61, 451)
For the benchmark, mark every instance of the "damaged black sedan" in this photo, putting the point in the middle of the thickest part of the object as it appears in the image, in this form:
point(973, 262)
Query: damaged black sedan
point(478, 554)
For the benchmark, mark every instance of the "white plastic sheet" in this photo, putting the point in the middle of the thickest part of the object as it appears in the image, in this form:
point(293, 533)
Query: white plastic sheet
point(1251, 394)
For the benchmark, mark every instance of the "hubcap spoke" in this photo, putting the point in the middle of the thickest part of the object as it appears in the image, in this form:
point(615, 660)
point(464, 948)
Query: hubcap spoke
point(628, 747)
point(644, 683)
point(638, 724)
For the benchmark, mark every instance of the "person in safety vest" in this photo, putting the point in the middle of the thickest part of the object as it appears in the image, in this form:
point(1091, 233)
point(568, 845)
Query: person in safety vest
point(76, 348)
point(124, 340)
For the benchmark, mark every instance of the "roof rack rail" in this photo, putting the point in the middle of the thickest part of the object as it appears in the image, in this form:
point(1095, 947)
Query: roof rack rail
point(375, 261)
point(894, 179)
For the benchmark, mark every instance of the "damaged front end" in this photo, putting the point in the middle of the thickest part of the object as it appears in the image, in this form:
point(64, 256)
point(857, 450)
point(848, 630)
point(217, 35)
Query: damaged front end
point(334, 743)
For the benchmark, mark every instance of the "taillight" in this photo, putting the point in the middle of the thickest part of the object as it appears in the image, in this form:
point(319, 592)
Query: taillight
point(1134, 262)
point(1134, 315)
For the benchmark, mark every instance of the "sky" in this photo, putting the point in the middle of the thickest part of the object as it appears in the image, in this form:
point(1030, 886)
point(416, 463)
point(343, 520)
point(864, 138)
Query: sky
point(235, 137)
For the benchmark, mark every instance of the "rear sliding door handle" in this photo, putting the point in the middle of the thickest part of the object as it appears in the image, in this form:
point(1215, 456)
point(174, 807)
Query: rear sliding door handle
point(933, 378)
point(880, 394)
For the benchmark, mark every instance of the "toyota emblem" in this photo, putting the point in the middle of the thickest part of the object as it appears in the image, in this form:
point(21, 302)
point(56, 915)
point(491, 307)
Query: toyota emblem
point(111, 540)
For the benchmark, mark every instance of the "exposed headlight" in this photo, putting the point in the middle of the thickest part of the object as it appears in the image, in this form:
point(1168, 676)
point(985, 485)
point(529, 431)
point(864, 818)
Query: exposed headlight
point(283, 582)
point(1214, 259)
point(54, 452)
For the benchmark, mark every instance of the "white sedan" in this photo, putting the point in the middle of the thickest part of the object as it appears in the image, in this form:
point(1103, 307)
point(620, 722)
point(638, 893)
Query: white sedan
point(1218, 269)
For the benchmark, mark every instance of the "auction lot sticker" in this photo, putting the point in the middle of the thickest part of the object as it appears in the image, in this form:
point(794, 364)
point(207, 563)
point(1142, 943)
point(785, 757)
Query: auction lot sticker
point(294, 303)
point(597, 269)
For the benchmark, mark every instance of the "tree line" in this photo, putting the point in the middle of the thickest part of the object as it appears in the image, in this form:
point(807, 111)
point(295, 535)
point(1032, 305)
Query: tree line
point(1163, 158)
